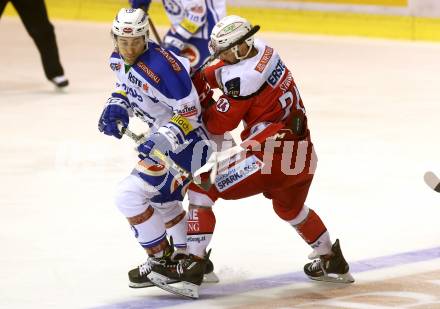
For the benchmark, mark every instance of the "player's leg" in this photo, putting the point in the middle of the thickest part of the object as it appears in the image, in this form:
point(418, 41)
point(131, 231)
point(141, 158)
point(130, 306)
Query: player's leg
point(201, 224)
point(3, 4)
point(288, 204)
point(132, 200)
point(35, 19)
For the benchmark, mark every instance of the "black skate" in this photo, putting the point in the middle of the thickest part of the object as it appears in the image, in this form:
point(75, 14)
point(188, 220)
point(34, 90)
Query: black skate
point(138, 276)
point(330, 269)
point(189, 272)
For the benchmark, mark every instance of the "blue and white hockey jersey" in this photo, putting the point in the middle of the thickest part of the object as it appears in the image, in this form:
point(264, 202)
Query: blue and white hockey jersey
point(193, 21)
point(157, 89)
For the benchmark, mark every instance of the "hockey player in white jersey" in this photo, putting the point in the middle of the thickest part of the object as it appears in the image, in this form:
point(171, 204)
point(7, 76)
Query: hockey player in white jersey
point(154, 85)
point(192, 22)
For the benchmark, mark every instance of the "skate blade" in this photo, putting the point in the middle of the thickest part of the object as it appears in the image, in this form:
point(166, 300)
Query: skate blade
point(140, 285)
point(146, 284)
point(181, 288)
point(335, 278)
point(210, 278)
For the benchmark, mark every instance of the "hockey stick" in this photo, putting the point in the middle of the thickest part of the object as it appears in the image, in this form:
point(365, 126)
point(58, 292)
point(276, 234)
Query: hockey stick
point(432, 181)
point(154, 30)
point(150, 21)
point(139, 139)
point(217, 53)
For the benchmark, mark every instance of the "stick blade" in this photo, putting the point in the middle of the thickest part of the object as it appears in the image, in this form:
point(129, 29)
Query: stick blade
point(432, 181)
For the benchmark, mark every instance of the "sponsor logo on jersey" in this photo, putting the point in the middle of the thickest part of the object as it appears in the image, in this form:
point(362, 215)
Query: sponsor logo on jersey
point(174, 64)
point(222, 105)
point(285, 85)
point(189, 26)
point(276, 74)
point(149, 72)
point(134, 80)
point(145, 87)
point(233, 87)
point(182, 123)
point(261, 65)
point(115, 66)
point(238, 173)
point(187, 111)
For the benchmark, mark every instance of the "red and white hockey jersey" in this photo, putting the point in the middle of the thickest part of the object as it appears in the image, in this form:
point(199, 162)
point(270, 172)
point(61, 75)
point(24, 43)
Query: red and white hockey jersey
point(260, 91)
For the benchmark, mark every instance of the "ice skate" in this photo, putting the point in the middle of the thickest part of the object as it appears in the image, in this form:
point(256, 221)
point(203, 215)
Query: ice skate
point(189, 272)
point(138, 277)
point(330, 268)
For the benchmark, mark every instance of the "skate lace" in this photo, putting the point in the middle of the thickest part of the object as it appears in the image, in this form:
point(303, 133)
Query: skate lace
point(316, 265)
point(181, 266)
point(146, 267)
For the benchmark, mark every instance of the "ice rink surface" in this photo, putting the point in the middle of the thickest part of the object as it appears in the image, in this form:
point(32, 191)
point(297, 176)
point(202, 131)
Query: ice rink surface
point(374, 114)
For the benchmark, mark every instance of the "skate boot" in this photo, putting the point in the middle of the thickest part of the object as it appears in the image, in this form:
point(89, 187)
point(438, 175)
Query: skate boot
point(210, 276)
point(138, 276)
point(189, 272)
point(330, 268)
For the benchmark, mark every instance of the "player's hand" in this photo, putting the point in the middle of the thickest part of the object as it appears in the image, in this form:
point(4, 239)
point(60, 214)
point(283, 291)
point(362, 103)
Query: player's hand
point(108, 122)
point(140, 4)
point(157, 143)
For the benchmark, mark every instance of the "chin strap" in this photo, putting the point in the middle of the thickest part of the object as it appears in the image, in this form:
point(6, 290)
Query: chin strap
point(235, 50)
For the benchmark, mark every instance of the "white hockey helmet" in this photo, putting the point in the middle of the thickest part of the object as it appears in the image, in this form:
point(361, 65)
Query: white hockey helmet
point(131, 23)
point(228, 30)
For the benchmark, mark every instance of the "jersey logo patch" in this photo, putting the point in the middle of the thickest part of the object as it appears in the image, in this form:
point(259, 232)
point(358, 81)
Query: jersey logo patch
point(276, 74)
point(187, 110)
point(149, 72)
point(233, 87)
point(261, 65)
point(173, 62)
point(182, 123)
point(115, 66)
point(238, 173)
point(223, 105)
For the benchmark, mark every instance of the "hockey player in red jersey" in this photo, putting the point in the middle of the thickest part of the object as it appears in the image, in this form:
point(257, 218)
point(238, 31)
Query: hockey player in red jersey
point(278, 157)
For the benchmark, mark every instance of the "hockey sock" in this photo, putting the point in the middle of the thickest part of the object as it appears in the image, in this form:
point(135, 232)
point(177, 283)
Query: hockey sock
point(201, 224)
point(149, 231)
point(311, 228)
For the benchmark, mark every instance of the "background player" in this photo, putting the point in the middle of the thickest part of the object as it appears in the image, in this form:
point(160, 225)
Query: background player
point(191, 24)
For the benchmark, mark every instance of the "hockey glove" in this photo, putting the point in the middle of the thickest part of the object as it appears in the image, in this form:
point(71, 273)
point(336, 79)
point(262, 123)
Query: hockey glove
point(142, 4)
point(157, 143)
point(112, 113)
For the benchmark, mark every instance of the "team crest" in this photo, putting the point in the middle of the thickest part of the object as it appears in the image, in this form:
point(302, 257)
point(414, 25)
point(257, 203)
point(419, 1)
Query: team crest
point(233, 87)
point(223, 105)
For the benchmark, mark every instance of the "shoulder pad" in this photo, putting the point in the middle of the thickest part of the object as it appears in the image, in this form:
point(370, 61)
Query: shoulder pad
point(164, 71)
